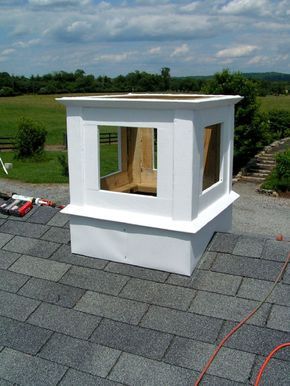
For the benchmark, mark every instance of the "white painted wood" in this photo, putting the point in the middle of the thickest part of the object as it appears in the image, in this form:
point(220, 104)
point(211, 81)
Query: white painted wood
point(170, 231)
point(183, 165)
point(160, 222)
point(144, 246)
point(76, 148)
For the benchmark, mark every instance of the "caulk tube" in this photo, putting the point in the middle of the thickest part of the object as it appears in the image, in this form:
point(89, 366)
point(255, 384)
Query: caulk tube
point(22, 198)
point(44, 202)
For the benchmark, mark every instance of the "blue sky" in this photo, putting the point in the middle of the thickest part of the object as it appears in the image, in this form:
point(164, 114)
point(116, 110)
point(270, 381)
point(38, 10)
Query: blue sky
point(113, 37)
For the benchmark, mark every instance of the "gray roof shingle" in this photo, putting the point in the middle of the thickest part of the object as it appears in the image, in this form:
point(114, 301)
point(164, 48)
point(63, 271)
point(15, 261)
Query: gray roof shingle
point(72, 320)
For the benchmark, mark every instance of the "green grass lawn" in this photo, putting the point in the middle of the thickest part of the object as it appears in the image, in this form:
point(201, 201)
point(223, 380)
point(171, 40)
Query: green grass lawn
point(271, 102)
point(48, 169)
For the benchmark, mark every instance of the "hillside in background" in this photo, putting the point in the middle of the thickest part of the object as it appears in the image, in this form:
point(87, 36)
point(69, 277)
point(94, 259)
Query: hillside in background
point(269, 76)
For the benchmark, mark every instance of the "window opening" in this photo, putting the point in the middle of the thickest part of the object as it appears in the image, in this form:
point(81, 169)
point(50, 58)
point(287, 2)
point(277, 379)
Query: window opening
point(133, 167)
point(211, 155)
point(109, 139)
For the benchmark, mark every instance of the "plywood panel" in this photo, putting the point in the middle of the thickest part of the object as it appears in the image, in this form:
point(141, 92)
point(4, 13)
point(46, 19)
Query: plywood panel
point(211, 159)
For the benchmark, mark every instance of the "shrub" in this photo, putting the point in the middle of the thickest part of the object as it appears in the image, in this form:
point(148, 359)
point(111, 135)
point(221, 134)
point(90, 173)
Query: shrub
point(30, 138)
point(62, 159)
point(279, 179)
point(6, 92)
point(283, 164)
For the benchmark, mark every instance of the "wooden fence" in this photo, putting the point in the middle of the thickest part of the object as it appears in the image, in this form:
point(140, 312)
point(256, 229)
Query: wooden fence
point(7, 143)
point(105, 139)
point(108, 138)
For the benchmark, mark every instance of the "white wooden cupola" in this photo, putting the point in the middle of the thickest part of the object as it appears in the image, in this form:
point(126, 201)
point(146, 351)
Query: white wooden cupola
point(169, 185)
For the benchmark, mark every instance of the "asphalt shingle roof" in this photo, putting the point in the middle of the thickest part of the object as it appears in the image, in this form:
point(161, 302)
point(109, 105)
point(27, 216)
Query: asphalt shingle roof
point(73, 320)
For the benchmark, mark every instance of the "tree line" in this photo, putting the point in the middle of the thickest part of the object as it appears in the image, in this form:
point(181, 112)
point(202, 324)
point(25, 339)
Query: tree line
point(61, 82)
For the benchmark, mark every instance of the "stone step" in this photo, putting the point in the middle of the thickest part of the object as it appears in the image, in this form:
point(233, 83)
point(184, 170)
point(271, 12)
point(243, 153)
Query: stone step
point(260, 165)
point(261, 171)
point(258, 168)
point(264, 153)
point(269, 153)
point(266, 160)
point(253, 179)
point(258, 174)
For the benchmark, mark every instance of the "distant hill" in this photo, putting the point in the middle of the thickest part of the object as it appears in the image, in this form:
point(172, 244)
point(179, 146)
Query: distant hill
point(269, 76)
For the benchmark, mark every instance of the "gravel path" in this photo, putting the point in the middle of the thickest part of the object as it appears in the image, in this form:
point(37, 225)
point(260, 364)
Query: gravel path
point(59, 193)
point(256, 213)
point(253, 213)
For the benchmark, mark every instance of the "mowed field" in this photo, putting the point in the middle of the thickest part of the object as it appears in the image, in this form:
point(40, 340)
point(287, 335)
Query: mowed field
point(45, 109)
point(42, 108)
point(273, 102)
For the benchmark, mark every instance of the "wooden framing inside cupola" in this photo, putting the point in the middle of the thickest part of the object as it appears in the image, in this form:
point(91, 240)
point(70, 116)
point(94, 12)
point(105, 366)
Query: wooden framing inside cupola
point(138, 172)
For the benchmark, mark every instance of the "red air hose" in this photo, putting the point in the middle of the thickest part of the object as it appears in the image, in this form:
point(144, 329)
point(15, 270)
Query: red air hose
point(223, 341)
point(268, 359)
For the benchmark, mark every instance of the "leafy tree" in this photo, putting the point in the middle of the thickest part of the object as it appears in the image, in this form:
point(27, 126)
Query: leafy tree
point(165, 74)
point(79, 73)
point(30, 138)
point(251, 126)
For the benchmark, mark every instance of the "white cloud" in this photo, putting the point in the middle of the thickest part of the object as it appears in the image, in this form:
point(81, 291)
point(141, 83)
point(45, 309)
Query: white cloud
point(130, 24)
point(181, 50)
point(190, 7)
point(272, 26)
point(282, 57)
point(152, 2)
point(263, 60)
point(4, 54)
point(49, 3)
point(9, 2)
point(113, 57)
point(236, 52)
point(7, 51)
point(104, 5)
point(238, 7)
point(78, 27)
point(29, 43)
point(154, 50)
point(259, 60)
